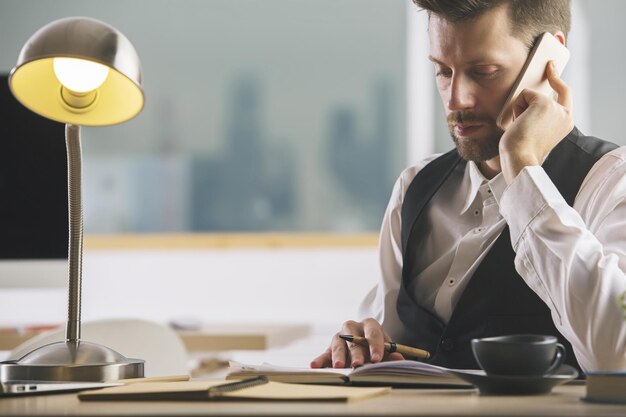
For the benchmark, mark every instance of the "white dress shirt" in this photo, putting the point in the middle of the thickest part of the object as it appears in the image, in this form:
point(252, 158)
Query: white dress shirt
point(573, 258)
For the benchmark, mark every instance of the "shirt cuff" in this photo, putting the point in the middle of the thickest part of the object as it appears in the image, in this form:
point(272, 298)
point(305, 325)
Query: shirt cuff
point(524, 199)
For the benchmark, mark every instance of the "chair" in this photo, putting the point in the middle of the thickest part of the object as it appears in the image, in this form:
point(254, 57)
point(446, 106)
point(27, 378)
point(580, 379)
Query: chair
point(158, 345)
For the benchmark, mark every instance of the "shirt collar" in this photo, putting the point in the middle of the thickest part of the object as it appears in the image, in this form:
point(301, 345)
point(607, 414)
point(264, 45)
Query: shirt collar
point(476, 179)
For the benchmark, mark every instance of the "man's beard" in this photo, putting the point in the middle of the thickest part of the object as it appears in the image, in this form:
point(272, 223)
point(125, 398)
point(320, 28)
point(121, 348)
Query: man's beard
point(477, 149)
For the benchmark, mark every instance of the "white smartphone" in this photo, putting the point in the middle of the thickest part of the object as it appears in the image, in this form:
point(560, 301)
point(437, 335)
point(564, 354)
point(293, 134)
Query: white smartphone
point(547, 48)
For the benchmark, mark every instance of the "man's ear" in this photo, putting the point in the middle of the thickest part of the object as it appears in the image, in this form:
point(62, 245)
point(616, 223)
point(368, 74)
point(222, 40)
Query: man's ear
point(560, 36)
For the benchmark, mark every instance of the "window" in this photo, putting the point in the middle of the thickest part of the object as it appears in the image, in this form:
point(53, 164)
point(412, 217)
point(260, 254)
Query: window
point(273, 115)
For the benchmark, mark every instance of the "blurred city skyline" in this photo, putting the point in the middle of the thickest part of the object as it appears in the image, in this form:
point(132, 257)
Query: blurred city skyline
point(276, 115)
point(251, 182)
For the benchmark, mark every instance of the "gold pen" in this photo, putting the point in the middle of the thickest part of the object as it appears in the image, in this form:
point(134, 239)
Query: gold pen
point(390, 347)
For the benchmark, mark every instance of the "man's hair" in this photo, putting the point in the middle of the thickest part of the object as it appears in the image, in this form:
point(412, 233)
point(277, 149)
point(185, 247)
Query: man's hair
point(528, 18)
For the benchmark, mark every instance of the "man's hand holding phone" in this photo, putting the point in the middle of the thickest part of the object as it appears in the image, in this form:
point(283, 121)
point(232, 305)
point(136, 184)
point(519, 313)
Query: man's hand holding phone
point(532, 120)
point(540, 124)
point(342, 354)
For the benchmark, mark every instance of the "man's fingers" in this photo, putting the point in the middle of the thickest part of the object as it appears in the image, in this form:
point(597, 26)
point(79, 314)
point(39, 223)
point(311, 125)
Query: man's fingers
point(325, 359)
point(322, 361)
point(394, 357)
point(341, 354)
point(558, 85)
point(358, 353)
point(376, 338)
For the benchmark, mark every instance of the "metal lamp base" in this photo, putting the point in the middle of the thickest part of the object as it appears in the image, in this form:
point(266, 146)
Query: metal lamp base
point(72, 361)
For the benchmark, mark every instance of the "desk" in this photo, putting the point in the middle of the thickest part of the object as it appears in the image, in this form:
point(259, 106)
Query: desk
point(564, 401)
point(218, 337)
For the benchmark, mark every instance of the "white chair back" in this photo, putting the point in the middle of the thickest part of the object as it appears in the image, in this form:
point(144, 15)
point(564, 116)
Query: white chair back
point(157, 344)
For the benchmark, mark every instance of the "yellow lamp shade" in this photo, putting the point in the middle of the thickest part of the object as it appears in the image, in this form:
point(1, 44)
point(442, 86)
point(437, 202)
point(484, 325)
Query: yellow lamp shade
point(34, 83)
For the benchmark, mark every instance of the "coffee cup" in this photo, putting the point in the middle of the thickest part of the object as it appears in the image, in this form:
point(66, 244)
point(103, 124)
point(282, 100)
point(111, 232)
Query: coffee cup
point(520, 354)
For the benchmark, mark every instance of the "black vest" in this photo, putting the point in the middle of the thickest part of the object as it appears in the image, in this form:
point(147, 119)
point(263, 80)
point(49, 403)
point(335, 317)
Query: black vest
point(496, 301)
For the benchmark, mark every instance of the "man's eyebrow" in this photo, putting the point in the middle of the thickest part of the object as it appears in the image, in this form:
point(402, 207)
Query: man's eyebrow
point(435, 60)
point(481, 61)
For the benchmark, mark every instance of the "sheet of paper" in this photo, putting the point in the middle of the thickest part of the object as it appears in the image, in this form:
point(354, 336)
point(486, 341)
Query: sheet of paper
point(269, 391)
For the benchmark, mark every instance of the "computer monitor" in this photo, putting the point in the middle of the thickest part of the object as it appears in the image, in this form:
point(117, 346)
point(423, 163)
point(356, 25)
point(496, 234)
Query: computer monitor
point(33, 197)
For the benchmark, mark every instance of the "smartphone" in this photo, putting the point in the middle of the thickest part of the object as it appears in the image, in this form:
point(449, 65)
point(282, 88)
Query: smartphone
point(547, 48)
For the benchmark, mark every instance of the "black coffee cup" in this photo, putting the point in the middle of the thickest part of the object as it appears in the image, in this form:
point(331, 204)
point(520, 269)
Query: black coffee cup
point(520, 354)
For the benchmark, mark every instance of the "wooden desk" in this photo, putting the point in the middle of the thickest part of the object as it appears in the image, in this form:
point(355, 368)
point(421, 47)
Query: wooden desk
point(564, 401)
point(218, 337)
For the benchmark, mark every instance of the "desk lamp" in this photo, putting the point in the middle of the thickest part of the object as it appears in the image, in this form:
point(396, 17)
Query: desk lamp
point(78, 71)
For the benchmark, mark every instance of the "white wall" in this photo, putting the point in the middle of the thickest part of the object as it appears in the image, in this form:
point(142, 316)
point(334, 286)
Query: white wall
point(317, 286)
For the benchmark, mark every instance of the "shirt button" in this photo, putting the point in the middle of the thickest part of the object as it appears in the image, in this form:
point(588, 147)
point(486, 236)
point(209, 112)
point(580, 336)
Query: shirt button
point(447, 344)
point(451, 281)
point(476, 212)
point(478, 229)
point(489, 190)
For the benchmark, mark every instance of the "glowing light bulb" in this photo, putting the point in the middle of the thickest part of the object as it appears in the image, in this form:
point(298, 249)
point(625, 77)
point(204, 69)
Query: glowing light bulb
point(79, 75)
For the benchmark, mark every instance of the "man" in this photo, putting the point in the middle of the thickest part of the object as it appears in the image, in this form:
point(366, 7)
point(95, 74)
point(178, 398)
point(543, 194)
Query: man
point(521, 231)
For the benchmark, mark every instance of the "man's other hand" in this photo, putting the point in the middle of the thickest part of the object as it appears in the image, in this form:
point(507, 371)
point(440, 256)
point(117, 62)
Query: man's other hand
point(342, 354)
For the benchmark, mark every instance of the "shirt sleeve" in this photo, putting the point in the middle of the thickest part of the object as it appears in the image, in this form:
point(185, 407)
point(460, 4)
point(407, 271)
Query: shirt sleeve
point(574, 258)
point(380, 302)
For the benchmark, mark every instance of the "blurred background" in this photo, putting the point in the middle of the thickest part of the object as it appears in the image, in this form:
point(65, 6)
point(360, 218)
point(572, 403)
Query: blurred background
point(282, 115)
point(265, 116)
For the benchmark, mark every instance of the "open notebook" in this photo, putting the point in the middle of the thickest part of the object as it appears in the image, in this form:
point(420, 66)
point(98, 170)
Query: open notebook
point(396, 373)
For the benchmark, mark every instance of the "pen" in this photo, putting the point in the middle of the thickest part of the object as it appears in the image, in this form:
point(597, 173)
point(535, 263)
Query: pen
point(389, 347)
point(220, 390)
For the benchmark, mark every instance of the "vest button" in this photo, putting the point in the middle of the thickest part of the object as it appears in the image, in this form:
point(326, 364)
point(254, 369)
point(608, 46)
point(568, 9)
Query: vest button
point(447, 344)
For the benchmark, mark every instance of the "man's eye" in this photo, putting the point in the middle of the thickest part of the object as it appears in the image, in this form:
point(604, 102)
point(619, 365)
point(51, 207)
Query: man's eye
point(443, 73)
point(486, 74)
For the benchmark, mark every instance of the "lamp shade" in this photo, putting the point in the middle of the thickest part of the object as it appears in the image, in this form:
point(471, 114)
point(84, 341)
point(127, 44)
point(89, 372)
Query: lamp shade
point(37, 86)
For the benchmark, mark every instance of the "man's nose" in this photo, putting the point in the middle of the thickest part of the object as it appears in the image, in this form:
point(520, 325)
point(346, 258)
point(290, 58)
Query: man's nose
point(461, 94)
